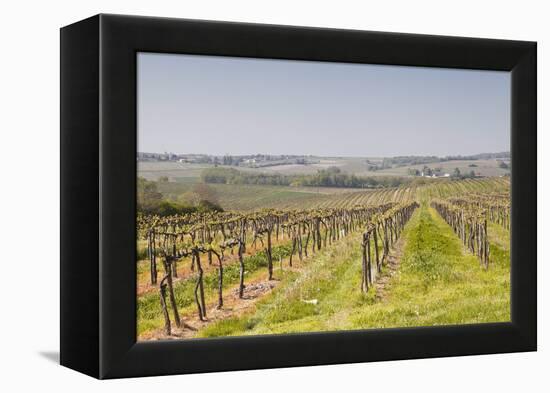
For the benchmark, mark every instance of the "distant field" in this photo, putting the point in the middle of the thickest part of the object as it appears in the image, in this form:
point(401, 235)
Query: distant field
point(177, 171)
point(250, 197)
point(156, 169)
point(256, 197)
point(349, 165)
point(183, 178)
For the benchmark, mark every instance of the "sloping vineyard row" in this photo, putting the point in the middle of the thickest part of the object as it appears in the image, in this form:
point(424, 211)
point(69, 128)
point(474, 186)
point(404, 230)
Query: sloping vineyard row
point(496, 206)
point(469, 222)
point(446, 189)
point(435, 189)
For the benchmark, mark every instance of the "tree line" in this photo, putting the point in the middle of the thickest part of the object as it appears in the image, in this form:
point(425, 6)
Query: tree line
point(330, 177)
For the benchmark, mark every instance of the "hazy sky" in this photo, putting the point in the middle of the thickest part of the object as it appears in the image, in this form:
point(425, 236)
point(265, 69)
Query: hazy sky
point(225, 105)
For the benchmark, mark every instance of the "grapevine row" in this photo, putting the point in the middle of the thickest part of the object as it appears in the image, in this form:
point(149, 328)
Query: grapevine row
point(469, 222)
point(497, 206)
point(387, 227)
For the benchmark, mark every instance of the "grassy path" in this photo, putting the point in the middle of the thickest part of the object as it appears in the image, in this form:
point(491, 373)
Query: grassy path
point(438, 282)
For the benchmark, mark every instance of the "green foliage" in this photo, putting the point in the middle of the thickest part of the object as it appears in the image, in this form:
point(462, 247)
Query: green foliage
point(151, 201)
point(168, 208)
point(330, 177)
point(205, 206)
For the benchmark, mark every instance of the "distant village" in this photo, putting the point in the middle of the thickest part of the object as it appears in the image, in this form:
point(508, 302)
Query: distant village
point(456, 173)
point(250, 161)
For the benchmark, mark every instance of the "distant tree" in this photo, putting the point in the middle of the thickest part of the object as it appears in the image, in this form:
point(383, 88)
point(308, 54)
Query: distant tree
point(163, 179)
point(456, 173)
point(503, 165)
point(227, 160)
point(472, 174)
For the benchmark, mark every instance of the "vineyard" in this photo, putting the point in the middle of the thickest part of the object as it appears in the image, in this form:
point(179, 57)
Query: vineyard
point(245, 198)
point(468, 218)
point(326, 262)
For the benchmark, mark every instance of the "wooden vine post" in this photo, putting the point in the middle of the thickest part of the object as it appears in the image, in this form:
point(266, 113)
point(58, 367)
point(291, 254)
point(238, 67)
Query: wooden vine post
point(241, 249)
point(166, 284)
point(164, 308)
point(199, 286)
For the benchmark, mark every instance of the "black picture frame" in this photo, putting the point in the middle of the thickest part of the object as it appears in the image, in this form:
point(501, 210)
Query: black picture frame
point(98, 183)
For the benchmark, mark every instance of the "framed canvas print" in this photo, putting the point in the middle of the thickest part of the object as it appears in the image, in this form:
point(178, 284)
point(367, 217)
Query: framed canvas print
point(239, 196)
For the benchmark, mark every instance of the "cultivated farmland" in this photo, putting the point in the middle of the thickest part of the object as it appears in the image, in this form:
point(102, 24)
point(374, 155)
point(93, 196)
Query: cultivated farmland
point(281, 259)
